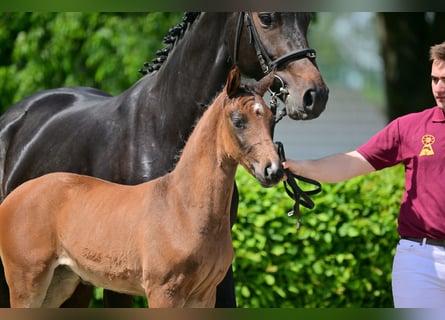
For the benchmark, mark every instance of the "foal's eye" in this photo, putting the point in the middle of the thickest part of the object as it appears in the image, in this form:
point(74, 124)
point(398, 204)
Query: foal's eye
point(238, 120)
point(239, 123)
point(266, 18)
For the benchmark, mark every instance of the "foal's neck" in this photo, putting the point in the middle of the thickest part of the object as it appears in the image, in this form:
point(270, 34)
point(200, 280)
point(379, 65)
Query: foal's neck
point(205, 172)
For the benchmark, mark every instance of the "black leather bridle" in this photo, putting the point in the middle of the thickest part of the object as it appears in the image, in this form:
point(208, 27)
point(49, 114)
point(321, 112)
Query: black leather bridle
point(268, 64)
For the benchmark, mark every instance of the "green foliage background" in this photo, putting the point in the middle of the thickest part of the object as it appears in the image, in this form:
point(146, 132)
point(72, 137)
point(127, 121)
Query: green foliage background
point(342, 255)
point(102, 50)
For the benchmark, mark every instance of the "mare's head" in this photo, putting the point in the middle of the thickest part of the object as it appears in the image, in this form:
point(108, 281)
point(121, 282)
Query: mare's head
point(281, 37)
point(248, 126)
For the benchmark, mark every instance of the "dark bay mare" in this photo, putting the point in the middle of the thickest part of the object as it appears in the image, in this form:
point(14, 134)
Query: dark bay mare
point(136, 136)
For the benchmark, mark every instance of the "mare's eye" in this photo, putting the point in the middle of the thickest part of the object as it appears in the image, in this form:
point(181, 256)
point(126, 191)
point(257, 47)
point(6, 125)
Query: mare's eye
point(238, 120)
point(266, 18)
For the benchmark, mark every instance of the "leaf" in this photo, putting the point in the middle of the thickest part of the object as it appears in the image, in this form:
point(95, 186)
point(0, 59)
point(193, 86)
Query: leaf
point(269, 279)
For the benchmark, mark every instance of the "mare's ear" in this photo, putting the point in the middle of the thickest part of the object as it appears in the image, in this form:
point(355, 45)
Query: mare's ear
point(264, 83)
point(233, 82)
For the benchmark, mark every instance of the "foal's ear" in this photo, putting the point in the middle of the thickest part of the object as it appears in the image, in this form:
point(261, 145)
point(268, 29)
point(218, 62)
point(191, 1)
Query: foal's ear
point(233, 82)
point(264, 83)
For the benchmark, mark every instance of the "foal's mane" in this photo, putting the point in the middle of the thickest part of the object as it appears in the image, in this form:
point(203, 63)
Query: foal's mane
point(174, 34)
point(244, 90)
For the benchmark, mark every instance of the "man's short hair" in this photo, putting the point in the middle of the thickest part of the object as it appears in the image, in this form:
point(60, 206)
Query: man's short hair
point(437, 52)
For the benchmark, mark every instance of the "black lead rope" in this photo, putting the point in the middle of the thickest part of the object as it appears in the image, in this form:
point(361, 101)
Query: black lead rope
point(294, 191)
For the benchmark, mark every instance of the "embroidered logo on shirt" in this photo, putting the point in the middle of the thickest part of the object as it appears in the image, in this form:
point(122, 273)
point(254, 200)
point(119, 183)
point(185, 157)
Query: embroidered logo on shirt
point(427, 141)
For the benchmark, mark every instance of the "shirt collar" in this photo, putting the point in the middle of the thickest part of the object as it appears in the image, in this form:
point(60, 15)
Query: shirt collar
point(438, 115)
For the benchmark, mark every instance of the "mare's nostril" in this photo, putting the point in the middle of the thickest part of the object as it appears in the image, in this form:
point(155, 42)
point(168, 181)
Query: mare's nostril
point(309, 99)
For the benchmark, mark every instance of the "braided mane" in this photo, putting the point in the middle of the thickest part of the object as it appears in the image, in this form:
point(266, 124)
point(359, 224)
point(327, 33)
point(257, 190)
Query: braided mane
point(174, 34)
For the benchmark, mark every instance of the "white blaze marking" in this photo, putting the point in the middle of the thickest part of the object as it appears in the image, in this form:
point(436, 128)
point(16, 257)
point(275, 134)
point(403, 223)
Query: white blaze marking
point(258, 108)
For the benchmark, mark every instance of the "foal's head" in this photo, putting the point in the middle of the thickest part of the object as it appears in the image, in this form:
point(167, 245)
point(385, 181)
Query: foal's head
point(249, 126)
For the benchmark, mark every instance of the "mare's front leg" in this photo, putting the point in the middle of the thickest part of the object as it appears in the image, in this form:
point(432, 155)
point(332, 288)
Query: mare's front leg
point(80, 298)
point(4, 289)
point(117, 300)
point(225, 292)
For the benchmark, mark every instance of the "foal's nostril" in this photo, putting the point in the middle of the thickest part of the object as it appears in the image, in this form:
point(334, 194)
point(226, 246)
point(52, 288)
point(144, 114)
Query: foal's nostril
point(268, 170)
point(273, 172)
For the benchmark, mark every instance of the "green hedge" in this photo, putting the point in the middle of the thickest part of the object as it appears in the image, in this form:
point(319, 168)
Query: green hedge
point(341, 256)
point(42, 50)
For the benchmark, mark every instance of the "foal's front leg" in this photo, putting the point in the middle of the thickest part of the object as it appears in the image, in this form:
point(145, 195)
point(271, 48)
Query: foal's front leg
point(158, 299)
point(165, 295)
point(27, 289)
point(63, 284)
point(205, 300)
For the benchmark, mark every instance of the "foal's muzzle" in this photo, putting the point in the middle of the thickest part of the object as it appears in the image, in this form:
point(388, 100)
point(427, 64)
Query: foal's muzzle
point(273, 173)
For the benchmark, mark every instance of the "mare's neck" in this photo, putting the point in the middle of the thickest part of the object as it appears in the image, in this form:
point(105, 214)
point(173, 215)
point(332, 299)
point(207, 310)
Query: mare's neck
point(196, 68)
point(162, 107)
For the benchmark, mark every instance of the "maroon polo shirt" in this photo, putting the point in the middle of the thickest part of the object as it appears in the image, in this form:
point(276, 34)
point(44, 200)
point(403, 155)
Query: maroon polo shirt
point(418, 141)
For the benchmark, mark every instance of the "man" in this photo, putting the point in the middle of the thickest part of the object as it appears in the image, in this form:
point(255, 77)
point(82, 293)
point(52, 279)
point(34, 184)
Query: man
point(418, 141)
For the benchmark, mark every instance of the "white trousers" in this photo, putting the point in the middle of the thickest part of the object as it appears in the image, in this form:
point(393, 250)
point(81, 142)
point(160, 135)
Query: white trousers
point(418, 275)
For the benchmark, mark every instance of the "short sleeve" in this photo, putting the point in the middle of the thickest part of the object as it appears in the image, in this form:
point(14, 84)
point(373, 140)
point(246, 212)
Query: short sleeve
point(383, 149)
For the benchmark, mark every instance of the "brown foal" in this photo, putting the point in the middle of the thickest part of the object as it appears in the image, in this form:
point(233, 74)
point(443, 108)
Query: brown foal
point(168, 238)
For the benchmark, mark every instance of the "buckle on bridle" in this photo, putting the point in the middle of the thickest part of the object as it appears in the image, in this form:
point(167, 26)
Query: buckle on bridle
point(282, 94)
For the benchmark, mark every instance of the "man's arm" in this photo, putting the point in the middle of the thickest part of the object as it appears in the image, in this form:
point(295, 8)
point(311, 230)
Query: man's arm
point(332, 168)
